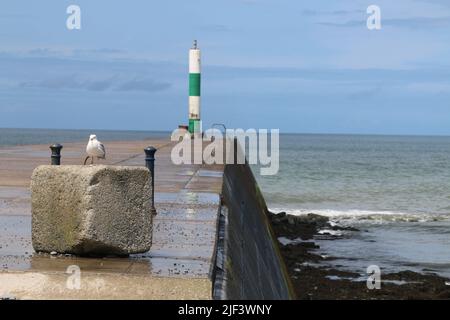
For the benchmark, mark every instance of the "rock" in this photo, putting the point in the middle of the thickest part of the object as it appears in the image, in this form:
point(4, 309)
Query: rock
point(7, 296)
point(281, 214)
point(91, 210)
point(310, 218)
point(278, 217)
point(317, 219)
point(291, 220)
point(340, 228)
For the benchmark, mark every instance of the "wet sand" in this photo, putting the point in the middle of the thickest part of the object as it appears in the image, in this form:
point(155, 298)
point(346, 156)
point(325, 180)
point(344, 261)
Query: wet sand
point(313, 281)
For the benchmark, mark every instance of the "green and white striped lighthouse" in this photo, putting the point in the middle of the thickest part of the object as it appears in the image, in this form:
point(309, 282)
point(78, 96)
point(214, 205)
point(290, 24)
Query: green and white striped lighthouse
point(195, 124)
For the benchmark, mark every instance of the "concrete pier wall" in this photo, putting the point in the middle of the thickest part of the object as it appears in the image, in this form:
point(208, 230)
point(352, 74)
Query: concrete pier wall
point(211, 236)
point(249, 264)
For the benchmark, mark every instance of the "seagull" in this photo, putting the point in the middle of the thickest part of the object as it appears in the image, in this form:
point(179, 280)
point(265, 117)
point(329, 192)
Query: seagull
point(94, 148)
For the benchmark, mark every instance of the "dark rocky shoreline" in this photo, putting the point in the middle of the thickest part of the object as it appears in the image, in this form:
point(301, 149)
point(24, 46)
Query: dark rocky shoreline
point(316, 282)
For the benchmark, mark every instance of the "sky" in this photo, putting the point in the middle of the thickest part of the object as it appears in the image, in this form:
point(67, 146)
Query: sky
point(297, 66)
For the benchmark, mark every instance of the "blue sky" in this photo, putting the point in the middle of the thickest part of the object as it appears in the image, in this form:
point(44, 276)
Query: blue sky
point(300, 66)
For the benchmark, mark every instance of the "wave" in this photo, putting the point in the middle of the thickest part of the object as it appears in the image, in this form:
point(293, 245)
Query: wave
point(367, 215)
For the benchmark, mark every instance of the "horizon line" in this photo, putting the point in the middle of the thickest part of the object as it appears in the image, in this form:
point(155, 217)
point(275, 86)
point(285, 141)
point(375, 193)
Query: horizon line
point(281, 133)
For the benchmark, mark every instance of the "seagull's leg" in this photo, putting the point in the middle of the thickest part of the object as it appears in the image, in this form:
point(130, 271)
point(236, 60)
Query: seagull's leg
point(85, 160)
point(92, 160)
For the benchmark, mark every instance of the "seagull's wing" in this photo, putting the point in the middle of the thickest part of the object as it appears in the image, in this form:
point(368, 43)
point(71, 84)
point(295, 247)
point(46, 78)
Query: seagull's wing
point(103, 150)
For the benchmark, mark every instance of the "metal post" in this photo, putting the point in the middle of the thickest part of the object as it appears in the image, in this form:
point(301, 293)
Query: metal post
point(56, 154)
point(150, 164)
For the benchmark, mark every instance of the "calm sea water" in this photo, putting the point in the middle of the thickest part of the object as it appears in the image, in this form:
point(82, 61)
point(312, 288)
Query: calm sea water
point(395, 188)
point(11, 137)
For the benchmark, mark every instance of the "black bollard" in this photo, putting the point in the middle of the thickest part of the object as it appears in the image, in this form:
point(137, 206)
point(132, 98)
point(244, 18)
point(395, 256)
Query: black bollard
point(56, 154)
point(150, 164)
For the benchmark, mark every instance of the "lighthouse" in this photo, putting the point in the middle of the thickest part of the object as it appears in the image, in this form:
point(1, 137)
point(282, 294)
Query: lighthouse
point(194, 90)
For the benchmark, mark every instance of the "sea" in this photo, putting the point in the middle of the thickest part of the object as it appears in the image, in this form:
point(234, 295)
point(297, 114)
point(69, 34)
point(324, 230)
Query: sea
point(14, 137)
point(394, 189)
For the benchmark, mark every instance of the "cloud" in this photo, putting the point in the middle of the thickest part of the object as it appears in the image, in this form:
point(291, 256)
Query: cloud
point(53, 83)
point(69, 53)
point(366, 93)
point(99, 85)
point(148, 85)
point(444, 3)
point(309, 12)
point(418, 22)
point(15, 15)
point(332, 74)
point(102, 50)
point(430, 87)
point(41, 52)
point(102, 53)
point(251, 2)
point(216, 28)
point(74, 82)
point(351, 23)
point(412, 23)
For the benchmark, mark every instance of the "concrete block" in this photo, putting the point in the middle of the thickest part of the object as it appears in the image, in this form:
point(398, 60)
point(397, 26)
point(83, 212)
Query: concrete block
point(91, 210)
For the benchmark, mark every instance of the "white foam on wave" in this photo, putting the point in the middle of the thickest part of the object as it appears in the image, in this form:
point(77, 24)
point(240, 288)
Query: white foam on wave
point(330, 232)
point(367, 215)
point(285, 241)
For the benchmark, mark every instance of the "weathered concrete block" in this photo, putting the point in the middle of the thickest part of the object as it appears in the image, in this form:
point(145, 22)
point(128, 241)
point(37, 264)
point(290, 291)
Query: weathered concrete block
point(91, 210)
